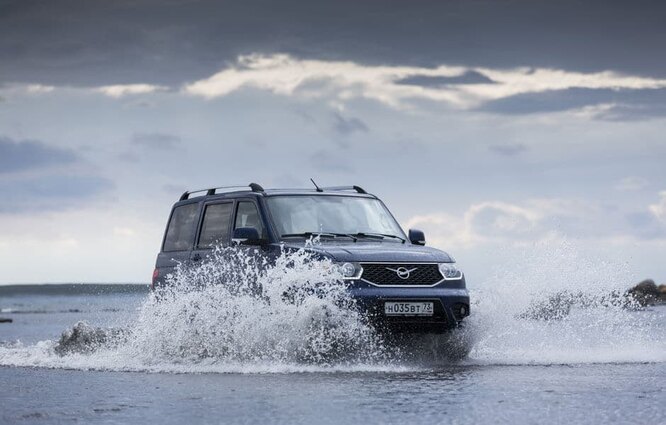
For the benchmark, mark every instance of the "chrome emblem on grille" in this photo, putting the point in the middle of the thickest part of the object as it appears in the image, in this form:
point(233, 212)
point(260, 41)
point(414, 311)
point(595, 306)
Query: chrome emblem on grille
point(402, 272)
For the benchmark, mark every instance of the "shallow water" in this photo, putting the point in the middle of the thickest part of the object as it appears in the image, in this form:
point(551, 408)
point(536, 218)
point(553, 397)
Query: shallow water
point(625, 393)
point(187, 359)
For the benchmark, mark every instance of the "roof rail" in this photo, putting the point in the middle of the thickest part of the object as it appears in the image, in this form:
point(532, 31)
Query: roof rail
point(358, 189)
point(213, 190)
point(256, 187)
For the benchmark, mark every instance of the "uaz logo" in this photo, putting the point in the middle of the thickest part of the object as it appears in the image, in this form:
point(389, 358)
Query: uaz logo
point(402, 272)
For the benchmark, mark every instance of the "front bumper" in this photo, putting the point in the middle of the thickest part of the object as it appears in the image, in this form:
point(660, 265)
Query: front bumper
point(451, 306)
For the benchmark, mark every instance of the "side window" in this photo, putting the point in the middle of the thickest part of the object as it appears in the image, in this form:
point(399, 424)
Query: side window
point(248, 216)
point(215, 227)
point(180, 233)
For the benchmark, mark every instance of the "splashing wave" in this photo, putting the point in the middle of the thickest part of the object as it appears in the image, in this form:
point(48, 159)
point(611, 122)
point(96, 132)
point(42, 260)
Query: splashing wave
point(550, 307)
point(290, 315)
point(555, 306)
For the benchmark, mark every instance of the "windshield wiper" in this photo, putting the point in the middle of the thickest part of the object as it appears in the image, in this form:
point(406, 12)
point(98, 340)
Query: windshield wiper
point(379, 236)
point(319, 234)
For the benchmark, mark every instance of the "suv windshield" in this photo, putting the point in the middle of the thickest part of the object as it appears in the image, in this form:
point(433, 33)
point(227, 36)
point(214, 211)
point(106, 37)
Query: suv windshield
point(301, 215)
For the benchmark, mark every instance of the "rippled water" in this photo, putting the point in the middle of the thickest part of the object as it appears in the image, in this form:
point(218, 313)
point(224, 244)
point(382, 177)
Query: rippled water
point(547, 341)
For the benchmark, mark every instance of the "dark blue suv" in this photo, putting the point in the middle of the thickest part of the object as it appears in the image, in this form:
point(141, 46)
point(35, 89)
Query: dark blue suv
point(395, 278)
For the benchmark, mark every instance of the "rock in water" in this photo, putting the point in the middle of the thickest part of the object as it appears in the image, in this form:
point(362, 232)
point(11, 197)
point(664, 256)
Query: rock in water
point(83, 338)
point(645, 293)
point(558, 306)
point(555, 307)
point(5, 320)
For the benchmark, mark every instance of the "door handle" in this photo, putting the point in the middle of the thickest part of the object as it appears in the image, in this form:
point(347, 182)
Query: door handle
point(196, 257)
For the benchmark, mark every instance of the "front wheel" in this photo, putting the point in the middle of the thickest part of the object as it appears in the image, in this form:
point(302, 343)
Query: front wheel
point(431, 349)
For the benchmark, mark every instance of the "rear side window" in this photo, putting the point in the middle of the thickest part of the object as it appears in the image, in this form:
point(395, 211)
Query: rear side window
point(215, 227)
point(248, 216)
point(180, 233)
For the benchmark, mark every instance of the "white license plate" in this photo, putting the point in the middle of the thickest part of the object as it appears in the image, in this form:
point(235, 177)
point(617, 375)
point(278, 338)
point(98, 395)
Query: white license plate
point(408, 308)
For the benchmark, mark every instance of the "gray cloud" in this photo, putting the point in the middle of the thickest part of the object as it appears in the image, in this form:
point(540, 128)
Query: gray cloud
point(629, 112)
point(78, 42)
point(53, 189)
point(623, 104)
point(31, 154)
point(347, 126)
point(508, 149)
point(50, 193)
point(469, 77)
point(158, 141)
point(549, 101)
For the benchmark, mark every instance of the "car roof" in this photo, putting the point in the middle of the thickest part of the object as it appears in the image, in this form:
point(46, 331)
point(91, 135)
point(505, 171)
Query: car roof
point(210, 194)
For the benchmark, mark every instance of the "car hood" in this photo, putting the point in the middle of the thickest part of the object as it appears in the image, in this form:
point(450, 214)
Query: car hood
point(375, 252)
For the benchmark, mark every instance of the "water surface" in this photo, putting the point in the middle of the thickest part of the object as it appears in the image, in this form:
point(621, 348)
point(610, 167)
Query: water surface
point(219, 354)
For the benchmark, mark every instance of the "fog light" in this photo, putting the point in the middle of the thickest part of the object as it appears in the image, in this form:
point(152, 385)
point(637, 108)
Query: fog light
point(347, 269)
point(350, 271)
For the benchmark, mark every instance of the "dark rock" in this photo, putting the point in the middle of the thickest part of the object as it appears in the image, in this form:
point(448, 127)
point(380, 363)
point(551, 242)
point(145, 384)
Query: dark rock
point(83, 339)
point(662, 293)
point(6, 320)
point(645, 293)
point(557, 306)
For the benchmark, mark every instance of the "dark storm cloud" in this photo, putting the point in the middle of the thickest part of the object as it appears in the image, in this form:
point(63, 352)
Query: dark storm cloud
point(50, 192)
point(54, 188)
point(508, 149)
point(31, 154)
point(159, 141)
point(626, 104)
point(82, 42)
point(469, 77)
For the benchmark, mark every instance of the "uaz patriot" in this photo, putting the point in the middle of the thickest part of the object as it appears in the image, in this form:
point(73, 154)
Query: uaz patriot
point(394, 277)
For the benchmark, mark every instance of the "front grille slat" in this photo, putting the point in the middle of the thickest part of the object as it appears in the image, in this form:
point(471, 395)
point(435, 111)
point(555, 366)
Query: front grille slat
point(379, 274)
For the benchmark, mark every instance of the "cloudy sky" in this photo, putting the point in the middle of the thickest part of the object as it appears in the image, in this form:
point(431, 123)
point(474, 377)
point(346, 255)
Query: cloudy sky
point(497, 127)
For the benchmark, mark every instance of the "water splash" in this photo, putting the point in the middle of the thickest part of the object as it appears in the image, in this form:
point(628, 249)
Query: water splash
point(294, 311)
point(218, 316)
point(555, 306)
point(552, 306)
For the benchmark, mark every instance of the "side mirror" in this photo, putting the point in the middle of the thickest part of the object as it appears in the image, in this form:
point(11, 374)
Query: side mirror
point(246, 236)
point(416, 237)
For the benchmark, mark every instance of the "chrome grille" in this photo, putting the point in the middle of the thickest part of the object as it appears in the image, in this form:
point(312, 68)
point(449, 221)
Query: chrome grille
point(386, 273)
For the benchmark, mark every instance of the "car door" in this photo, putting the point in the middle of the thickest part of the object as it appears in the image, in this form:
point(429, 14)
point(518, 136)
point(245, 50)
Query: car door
point(178, 239)
point(214, 228)
point(247, 215)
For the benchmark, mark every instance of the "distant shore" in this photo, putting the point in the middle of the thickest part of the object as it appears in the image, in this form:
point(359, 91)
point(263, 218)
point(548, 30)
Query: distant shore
point(73, 288)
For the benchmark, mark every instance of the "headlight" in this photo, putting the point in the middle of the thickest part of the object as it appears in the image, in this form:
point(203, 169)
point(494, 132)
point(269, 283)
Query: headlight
point(350, 270)
point(450, 272)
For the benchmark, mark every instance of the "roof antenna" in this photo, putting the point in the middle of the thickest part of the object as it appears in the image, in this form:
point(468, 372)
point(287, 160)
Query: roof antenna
point(319, 189)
